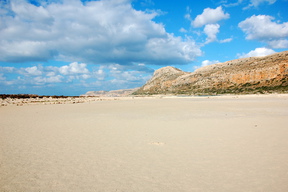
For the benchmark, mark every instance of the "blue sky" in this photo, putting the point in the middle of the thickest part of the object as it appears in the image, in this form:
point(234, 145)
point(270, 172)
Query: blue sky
point(69, 47)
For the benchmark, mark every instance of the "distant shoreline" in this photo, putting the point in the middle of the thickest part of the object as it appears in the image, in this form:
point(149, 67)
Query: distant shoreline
point(33, 96)
point(20, 100)
point(26, 96)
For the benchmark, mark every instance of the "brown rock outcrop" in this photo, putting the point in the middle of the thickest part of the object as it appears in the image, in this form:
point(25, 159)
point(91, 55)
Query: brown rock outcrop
point(247, 75)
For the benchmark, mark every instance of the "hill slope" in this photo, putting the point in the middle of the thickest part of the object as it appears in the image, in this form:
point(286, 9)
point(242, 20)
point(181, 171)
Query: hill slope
point(247, 75)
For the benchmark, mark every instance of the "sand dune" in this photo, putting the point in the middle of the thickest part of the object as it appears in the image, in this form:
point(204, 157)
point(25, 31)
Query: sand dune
point(191, 144)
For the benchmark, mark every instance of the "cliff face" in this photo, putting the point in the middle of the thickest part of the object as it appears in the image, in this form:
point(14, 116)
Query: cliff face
point(162, 80)
point(248, 75)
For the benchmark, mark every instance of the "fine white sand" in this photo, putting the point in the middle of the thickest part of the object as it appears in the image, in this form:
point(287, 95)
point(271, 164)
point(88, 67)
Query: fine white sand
point(204, 144)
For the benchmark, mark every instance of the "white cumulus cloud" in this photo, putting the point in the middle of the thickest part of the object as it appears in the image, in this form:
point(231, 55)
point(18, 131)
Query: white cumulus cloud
point(226, 40)
point(262, 28)
point(278, 44)
point(258, 52)
point(248, 4)
point(99, 32)
point(44, 80)
point(111, 76)
point(208, 62)
point(232, 4)
point(33, 71)
point(211, 31)
point(256, 3)
point(210, 16)
point(182, 30)
point(73, 68)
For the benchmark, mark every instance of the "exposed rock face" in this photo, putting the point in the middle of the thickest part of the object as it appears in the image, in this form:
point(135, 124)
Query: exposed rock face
point(248, 75)
point(114, 93)
point(162, 79)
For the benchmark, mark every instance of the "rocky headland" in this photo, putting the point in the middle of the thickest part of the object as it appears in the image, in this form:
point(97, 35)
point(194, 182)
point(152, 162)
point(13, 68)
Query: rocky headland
point(113, 93)
point(268, 74)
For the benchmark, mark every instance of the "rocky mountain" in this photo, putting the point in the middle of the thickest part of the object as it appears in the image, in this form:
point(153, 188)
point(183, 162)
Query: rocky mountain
point(247, 75)
point(113, 93)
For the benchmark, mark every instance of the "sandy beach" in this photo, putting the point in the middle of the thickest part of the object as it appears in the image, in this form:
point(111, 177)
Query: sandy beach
point(161, 144)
